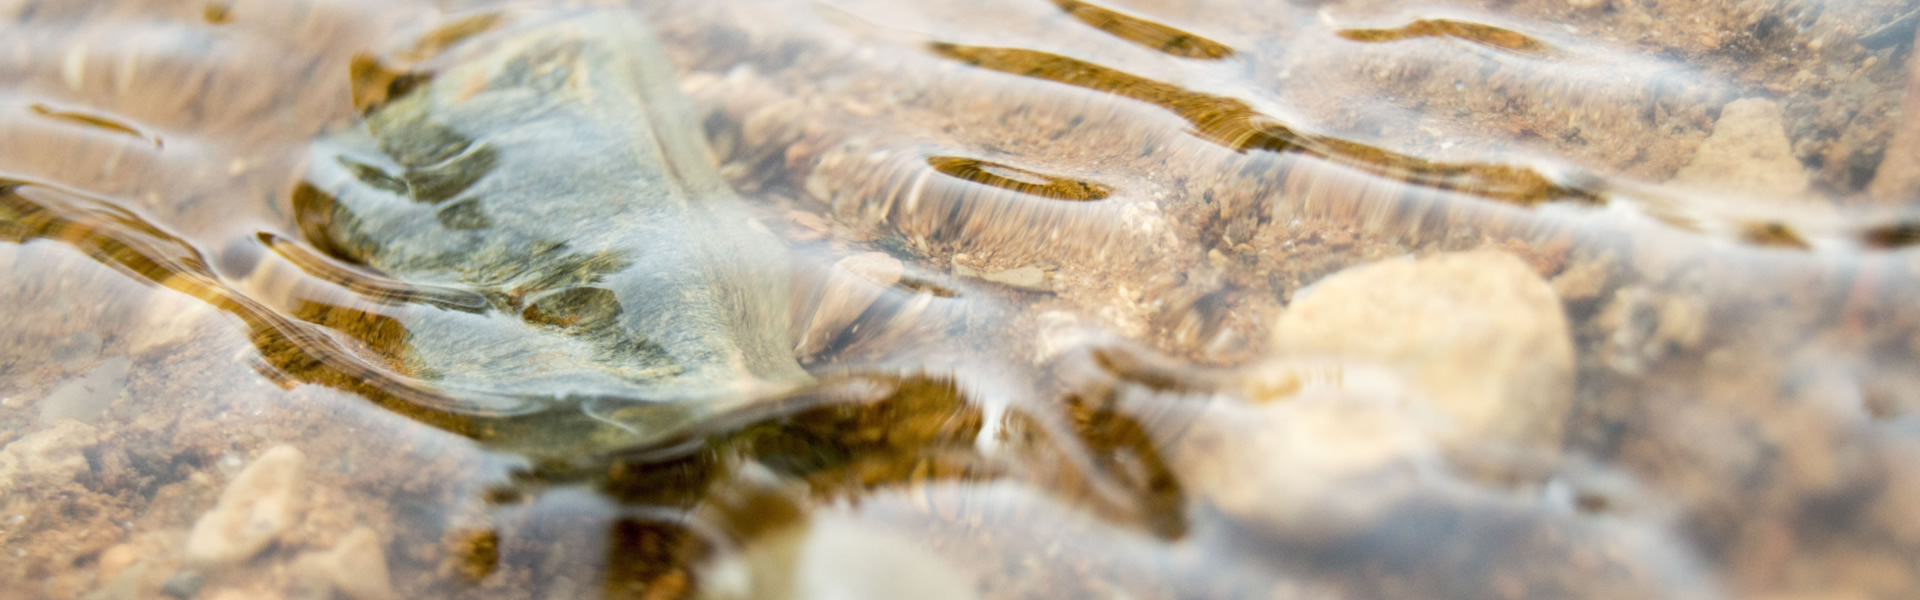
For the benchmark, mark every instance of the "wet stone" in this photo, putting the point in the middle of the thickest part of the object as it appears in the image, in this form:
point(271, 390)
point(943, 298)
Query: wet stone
point(183, 585)
point(1479, 332)
point(260, 503)
point(550, 163)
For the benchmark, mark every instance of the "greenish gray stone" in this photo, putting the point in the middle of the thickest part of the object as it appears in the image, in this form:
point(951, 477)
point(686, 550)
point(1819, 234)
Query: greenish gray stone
point(556, 170)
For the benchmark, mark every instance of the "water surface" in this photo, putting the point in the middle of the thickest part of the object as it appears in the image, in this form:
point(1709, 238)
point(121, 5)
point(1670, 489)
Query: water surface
point(1051, 266)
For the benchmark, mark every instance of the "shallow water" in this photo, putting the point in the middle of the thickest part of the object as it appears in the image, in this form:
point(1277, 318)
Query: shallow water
point(1063, 278)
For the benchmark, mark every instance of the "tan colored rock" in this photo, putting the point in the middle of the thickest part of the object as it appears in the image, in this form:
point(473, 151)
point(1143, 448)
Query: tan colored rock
point(1747, 154)
point(356, 567)
point(52, 455)
point(1323, 446)
point(1480, 333)
point(261, 502)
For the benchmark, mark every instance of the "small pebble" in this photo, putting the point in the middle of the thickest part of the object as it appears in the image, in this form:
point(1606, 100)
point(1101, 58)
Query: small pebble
point(1480, 332)
point(260, 502)
point(183, 585)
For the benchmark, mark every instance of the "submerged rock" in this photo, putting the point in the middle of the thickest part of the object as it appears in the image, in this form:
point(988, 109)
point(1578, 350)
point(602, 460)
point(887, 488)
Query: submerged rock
point(1325, 446)
point(1479, 332)
point(556, 173)
point(355, 567)
point(260, 503)
point(50, 456)
point(86, 397)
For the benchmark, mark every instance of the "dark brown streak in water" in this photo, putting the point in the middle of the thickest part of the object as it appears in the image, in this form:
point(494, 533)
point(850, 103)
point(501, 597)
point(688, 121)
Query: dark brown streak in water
point(1157, 36)
point(1233, 124)
point(848, 438)
point(1499, 38)
point(1777, 235)
point(922, 431)
point(294, 350)
point(371, 286)
point(1019, 180)
point(1897, 235)
point(95, 121)
point(373, 81)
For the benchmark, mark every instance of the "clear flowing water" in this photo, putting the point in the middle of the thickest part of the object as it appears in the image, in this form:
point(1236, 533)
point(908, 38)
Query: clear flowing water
point(1341, 299)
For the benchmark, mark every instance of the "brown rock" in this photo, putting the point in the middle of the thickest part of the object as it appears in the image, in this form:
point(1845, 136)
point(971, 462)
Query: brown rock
point(262, 501)
point(1481, 333)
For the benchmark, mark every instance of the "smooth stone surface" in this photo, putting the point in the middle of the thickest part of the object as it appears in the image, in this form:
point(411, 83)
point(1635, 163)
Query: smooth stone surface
point(1478, 332)
point(554, 170)
point(260, 503)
